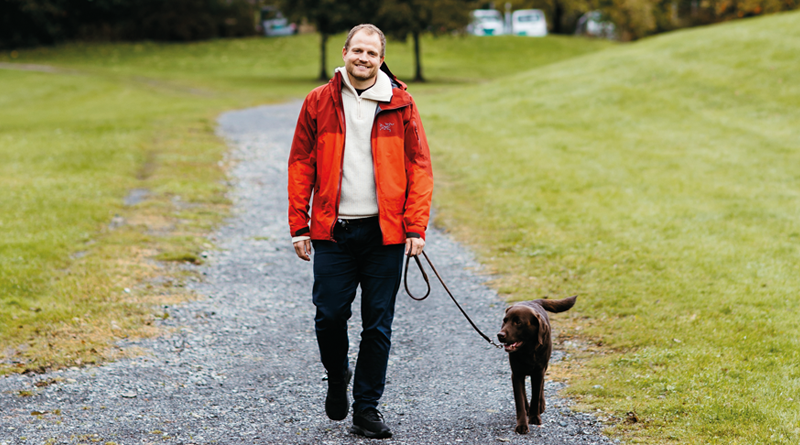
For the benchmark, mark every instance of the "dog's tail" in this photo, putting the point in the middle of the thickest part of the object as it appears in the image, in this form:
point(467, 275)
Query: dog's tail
point(561, 305)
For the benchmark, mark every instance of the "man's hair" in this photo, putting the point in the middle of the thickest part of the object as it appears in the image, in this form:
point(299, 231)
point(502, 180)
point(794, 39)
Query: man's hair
point(370, 29)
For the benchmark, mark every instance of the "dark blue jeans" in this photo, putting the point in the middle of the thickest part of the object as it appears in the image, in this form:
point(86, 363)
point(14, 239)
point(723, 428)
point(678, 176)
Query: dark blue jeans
point(358, 257)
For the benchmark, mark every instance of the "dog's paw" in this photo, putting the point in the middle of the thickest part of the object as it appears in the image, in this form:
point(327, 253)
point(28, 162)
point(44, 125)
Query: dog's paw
point(521, 429)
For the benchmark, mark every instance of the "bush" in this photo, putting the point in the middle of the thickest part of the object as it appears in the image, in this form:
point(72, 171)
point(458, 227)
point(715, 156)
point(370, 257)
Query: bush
point(635, 19)
point(45, 22)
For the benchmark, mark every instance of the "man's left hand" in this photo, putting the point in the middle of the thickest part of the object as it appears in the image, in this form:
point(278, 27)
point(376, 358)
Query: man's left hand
point(414, 246)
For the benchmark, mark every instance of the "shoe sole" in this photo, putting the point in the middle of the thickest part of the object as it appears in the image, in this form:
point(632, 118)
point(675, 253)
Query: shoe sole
point(355, 429)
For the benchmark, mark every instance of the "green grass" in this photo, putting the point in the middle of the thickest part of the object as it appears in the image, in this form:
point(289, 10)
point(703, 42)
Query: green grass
point(78, 268)
point(660, 181)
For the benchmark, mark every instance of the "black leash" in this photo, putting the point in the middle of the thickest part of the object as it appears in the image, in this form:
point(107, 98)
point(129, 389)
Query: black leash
point(428, 283)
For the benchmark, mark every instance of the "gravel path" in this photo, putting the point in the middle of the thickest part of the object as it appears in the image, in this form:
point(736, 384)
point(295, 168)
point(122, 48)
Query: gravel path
point(241, 365)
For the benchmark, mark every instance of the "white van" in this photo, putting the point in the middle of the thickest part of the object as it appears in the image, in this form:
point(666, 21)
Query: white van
point(486, 22)
point(528, 22)
point(275, 24)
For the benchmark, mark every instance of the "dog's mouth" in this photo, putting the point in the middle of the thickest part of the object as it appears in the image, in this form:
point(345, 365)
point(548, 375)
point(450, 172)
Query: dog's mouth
point(511, 347)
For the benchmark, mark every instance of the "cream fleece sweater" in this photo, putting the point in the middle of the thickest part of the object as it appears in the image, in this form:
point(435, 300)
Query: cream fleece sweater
point(358, 197)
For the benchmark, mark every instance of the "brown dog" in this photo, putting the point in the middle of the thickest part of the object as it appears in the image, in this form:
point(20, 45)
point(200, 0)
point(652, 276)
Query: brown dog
point(526, 335)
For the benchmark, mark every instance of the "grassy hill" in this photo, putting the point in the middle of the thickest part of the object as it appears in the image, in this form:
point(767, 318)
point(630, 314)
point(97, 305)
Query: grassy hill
point(660, 181)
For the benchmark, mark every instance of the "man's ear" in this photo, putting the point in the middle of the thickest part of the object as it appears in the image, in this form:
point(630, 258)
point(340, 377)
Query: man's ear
point(344, 51)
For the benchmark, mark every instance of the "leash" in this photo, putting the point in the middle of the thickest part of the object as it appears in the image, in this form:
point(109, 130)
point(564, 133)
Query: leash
point(428, 283)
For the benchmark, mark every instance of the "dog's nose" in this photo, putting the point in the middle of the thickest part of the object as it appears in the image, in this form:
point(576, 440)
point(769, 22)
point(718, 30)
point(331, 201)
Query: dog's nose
point(501, 336)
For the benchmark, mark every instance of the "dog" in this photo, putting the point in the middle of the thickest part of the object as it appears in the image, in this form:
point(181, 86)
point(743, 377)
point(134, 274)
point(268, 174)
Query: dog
point(526, 337)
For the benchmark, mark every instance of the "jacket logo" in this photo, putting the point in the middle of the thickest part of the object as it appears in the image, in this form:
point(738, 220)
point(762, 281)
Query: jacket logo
point(387, 126)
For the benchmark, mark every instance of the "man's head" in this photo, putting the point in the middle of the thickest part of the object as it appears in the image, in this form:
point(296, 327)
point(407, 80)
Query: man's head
point(363, 54)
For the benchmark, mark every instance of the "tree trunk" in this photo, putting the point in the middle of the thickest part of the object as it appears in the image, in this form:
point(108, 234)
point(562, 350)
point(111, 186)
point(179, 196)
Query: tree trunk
point(417, 58)
point(558, 16)
point(323, 74)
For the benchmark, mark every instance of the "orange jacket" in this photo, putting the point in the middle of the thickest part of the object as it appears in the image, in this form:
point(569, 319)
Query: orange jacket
point(400, 155)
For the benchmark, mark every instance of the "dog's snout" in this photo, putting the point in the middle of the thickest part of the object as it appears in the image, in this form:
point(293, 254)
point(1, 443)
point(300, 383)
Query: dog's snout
point(501, 336)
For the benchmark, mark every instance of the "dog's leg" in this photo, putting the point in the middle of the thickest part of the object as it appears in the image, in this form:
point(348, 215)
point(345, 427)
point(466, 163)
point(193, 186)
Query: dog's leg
point(541, 397)
point(521, 403)
point(537, 398)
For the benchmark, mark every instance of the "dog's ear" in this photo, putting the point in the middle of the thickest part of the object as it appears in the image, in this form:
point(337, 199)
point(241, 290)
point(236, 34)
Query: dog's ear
point(507, 309)
point(544, 328)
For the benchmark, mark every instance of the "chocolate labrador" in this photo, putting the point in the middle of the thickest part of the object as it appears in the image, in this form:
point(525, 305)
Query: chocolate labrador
point(526, 335)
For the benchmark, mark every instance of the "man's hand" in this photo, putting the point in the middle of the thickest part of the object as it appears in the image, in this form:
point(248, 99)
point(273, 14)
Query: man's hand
point(303, 249)
point(414, 246)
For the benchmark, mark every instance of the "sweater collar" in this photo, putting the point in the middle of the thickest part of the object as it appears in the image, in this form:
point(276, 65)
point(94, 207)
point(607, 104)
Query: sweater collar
point(380, 92)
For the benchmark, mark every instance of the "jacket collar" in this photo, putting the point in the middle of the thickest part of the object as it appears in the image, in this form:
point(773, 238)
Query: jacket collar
point(396, 83)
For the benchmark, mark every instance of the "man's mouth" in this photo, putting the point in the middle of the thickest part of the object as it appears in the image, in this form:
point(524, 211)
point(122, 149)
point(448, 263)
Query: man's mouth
point(511, 347)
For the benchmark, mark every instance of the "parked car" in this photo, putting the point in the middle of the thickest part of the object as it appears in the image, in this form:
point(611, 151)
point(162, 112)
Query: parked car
point(275, 24)
point(528, 22)
point(486, 22)
point(593, 24)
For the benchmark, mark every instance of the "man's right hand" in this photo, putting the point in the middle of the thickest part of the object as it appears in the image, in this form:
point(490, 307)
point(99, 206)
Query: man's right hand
point(303, 249)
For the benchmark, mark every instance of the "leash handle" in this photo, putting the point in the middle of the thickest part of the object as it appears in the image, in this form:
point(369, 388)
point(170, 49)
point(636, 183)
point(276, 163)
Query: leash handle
point(424, 275)
point(427, 282)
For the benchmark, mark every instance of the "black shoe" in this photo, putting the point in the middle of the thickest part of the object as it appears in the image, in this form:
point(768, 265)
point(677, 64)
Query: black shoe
point(336, 404)
point(369, 422)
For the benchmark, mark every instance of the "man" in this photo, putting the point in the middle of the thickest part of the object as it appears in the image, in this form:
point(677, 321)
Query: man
point(359, 148)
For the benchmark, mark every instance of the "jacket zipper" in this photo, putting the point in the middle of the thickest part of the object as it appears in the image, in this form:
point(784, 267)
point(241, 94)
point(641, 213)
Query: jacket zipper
point(341, 167)
point(378, 110)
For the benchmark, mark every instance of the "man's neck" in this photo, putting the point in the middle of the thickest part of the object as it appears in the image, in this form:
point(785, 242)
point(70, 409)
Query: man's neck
point(361, 84)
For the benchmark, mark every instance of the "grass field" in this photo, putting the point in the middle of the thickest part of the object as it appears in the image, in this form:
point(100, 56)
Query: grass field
point(98, 121)
point(660, 181)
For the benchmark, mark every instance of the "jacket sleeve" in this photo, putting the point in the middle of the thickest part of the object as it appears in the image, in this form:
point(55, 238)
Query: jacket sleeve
point(303, 167)
point(419, 173)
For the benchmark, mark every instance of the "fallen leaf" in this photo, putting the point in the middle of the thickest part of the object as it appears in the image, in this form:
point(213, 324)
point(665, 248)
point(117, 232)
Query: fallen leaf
point(46, 382)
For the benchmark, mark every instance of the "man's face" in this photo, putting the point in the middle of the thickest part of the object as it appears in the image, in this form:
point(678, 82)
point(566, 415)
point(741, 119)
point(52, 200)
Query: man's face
point(363, 59)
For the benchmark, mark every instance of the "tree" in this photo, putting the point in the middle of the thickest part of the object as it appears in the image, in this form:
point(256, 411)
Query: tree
point(45, 22)
point(399, 18)
point(329, 17)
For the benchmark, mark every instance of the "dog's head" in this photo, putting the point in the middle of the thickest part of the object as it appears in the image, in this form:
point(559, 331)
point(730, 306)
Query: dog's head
point(522, 326)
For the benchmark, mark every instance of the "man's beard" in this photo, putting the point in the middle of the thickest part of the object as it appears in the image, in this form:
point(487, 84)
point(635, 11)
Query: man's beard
point(370, 74)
